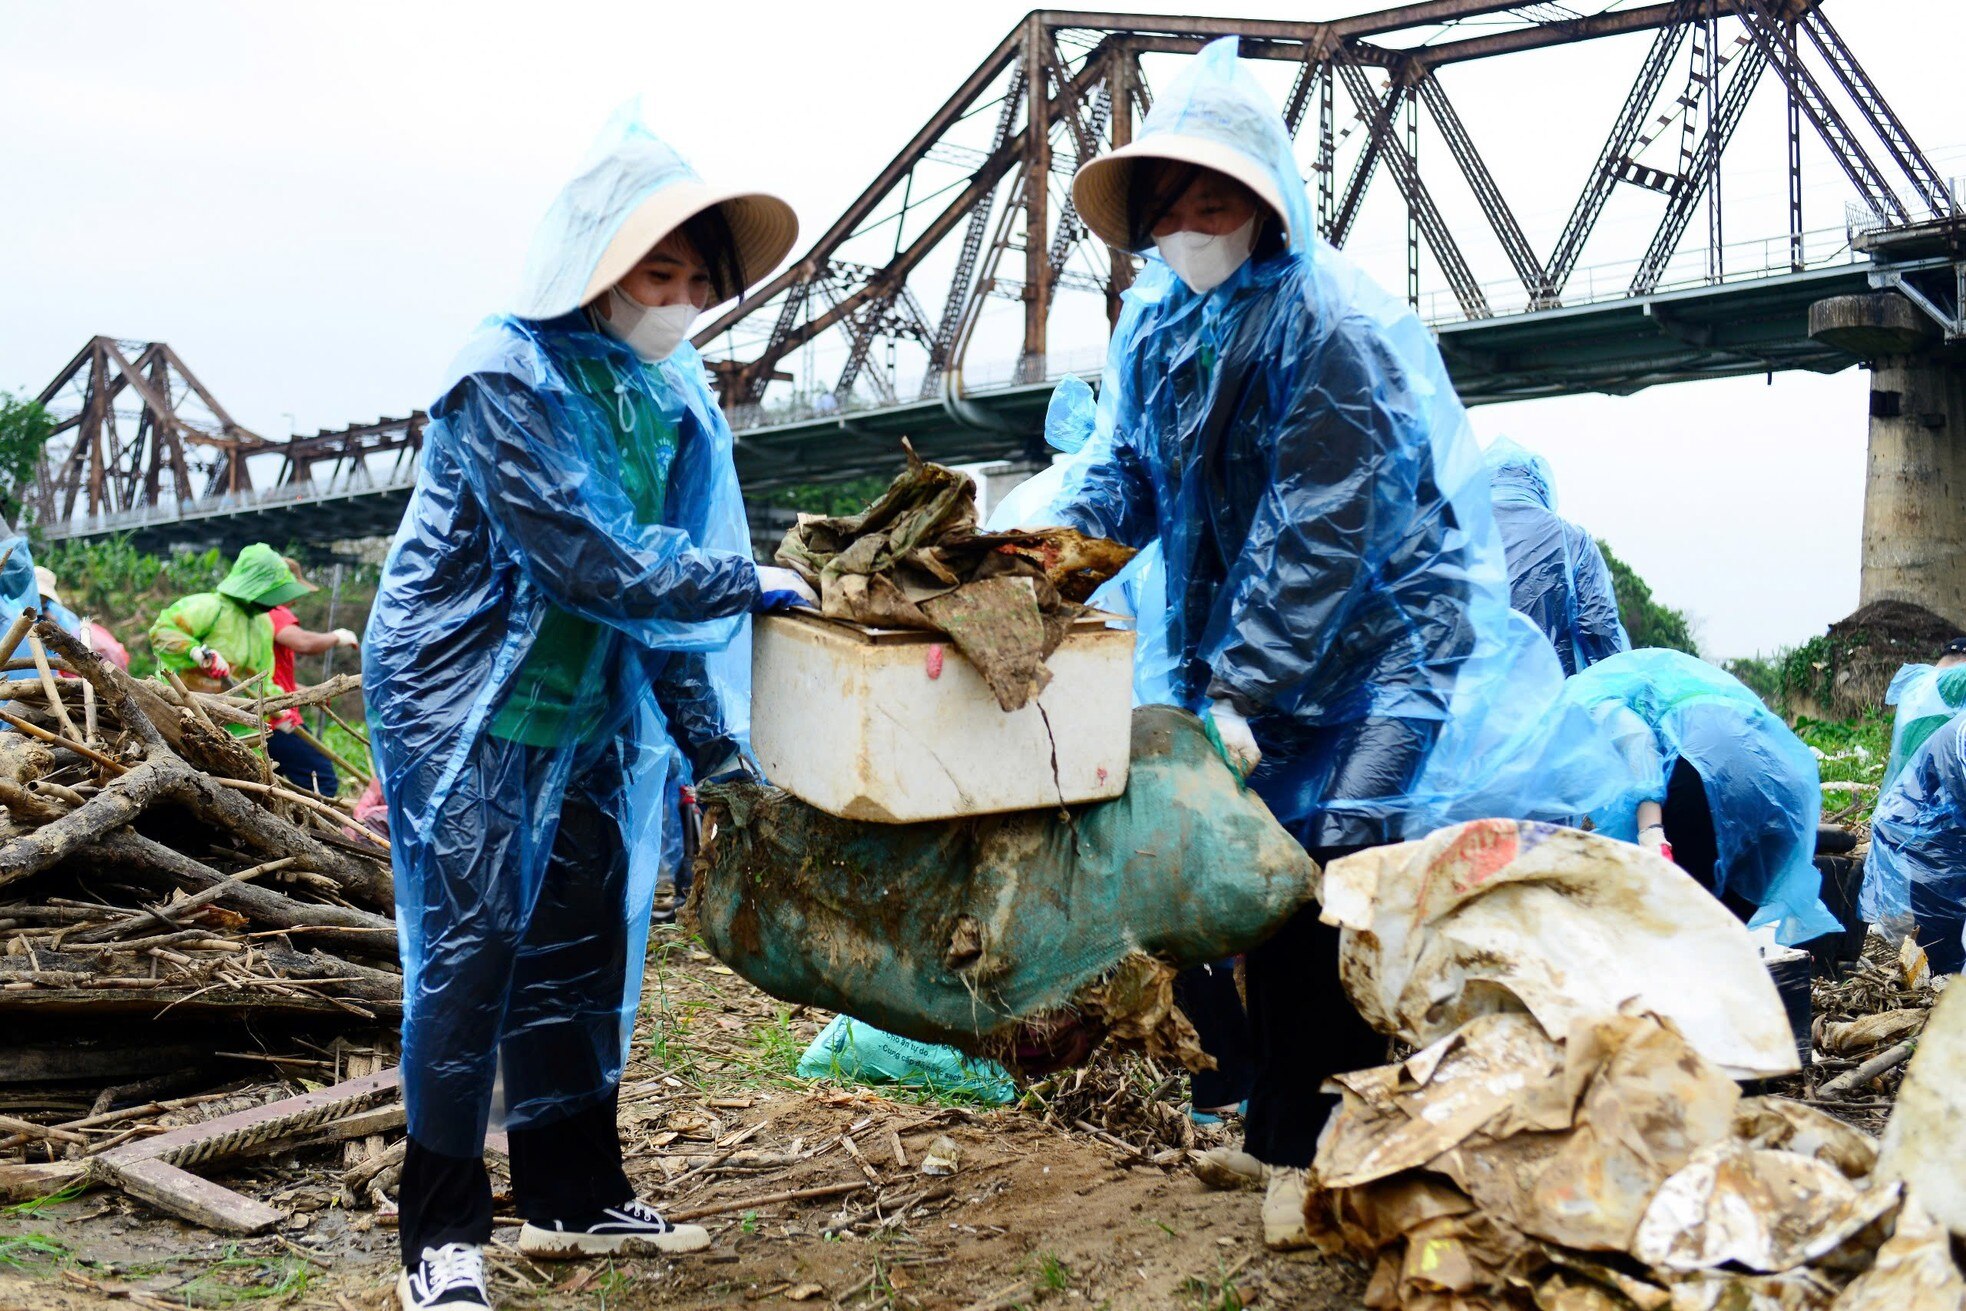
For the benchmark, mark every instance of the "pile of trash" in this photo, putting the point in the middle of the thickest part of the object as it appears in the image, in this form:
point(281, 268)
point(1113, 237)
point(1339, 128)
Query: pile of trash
point(1570, 1135)
point(1026, 937)
point(915, 558)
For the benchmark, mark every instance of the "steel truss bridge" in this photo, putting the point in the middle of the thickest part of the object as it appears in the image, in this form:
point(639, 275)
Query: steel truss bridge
point(883, 326)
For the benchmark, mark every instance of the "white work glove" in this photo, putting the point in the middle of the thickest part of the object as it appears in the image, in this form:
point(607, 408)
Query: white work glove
point(211, 663)
point(782, 589)
point(1653, 839)
point(346, 637)
point(1237, 740)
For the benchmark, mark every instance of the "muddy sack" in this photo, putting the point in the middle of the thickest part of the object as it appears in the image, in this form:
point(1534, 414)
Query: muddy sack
point(1027, 936)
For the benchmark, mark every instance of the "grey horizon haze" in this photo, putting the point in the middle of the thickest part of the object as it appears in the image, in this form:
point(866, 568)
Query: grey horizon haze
point(315, 204)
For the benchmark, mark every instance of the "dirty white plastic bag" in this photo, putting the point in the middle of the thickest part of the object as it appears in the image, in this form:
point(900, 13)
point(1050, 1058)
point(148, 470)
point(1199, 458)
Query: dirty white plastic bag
point(1500, 915)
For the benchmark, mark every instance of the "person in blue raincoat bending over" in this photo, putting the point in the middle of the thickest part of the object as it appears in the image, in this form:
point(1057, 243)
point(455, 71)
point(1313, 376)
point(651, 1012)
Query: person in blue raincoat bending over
point(1557, 576)
point(1287, 432)
point(571, 568)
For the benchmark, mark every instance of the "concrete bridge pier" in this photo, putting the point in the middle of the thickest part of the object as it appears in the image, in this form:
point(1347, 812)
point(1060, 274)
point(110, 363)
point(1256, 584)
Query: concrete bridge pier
point(1915, 482)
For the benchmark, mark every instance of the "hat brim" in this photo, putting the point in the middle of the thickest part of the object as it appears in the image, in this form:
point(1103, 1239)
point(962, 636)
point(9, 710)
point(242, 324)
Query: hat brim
point(1099, 190)
point(284, 593)
point(763, 229)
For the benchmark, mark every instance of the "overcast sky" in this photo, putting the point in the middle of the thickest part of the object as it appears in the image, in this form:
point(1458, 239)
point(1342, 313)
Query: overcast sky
point(314, 203)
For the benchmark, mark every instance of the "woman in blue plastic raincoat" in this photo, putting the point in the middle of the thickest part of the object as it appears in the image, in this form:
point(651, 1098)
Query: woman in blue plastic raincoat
point(1557, 576)
point(1718, 782)
point(1918, 845)
point(1336, 592)
point(572, 568)
point(1925, 697)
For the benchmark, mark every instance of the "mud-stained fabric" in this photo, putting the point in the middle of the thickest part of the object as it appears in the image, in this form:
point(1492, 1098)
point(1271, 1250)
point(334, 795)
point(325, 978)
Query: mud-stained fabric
point(915, 558)
point(958, 931)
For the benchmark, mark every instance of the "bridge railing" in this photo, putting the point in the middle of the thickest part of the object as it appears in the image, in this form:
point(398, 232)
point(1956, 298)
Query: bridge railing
point(266, 498)
point(1741, 261)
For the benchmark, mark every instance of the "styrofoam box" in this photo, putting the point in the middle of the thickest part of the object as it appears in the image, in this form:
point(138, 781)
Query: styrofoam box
point(895, 726)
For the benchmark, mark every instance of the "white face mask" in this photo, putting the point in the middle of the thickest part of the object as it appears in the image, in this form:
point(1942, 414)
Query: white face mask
point(1203, 261)
point(652, 332)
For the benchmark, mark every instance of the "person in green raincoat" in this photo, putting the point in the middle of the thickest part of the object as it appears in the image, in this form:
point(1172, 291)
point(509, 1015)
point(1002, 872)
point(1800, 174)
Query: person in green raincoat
point(210, 639)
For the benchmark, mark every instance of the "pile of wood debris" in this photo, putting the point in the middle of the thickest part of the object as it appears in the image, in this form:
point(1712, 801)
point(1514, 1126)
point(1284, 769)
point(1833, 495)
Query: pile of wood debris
point(176, 928)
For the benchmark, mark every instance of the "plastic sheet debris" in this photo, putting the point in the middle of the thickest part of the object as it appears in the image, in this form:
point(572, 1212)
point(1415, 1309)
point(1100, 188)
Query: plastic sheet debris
point(1914, 1270)
point(1767, 1211)
point(1869, 1031)
point(1505, 915)
point(1925, 1142)
point(1027, 936)
point(1594, 1156)
point(915, 558)
point(855, 1051)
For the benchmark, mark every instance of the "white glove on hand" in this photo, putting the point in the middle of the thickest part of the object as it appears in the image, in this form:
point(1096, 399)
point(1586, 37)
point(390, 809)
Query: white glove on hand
point(346, 637)
point(211, 663)
point(1236, 737)
point(1653, 839)
point(781, 589)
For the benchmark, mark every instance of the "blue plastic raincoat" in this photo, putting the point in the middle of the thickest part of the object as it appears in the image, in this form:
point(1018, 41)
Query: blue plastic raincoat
point(1926, 698)
point(560, 629)
point(1557, 576)
point(1761, 782)
point(1332, 565)
point(1918, 845)
point(18, 588)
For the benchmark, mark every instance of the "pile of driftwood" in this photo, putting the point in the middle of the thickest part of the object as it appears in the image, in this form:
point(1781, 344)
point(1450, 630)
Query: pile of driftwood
point(172, 920)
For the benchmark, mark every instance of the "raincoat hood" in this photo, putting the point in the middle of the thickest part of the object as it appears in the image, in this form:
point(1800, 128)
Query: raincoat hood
point(260, 577)
point(631, 191)
point(1519, 476)
point(1215, 115)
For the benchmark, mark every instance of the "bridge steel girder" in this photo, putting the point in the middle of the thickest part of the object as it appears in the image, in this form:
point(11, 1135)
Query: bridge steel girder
point(1044, 112)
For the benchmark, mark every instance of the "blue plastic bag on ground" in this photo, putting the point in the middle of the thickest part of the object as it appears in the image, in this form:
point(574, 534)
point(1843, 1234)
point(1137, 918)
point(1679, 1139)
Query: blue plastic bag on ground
point(853, 1051)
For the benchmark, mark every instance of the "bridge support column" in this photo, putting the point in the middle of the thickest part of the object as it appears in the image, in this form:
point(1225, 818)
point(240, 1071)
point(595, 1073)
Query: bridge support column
point(1915, 480)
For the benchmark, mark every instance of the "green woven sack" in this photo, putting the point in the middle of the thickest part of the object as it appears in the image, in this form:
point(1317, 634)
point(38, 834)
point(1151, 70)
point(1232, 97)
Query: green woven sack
point(1024, 937)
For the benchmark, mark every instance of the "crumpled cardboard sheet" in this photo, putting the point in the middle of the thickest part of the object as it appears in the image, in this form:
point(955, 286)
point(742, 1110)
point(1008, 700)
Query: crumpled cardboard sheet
point(915, 559)
point(1498, 915)
point(1925, 1139)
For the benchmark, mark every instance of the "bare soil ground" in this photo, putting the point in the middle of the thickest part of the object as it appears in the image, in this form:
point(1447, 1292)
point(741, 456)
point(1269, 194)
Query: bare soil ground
point(1041, 1211)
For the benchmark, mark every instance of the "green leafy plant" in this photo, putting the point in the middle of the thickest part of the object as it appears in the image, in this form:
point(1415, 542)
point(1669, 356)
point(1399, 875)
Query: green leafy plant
point(24, 429)
point(830, 498)
point(1052, 1274)
point(31, 1251)
point(234, 1278)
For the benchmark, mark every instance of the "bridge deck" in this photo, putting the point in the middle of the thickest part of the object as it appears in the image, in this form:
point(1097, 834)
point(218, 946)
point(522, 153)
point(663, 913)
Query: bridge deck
point(1618, 347)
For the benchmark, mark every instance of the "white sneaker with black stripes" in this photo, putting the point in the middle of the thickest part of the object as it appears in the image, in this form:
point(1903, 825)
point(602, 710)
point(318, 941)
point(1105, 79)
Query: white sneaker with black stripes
point(631, 1229)
point(451, 1277)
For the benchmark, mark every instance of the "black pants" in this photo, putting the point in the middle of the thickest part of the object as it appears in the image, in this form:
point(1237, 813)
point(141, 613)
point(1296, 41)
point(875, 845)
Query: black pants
point(1304, 1029)
point(1207, 995)
point(297, 761)
point(1688, 819)
point(558, 1037)
point(561, 1171)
